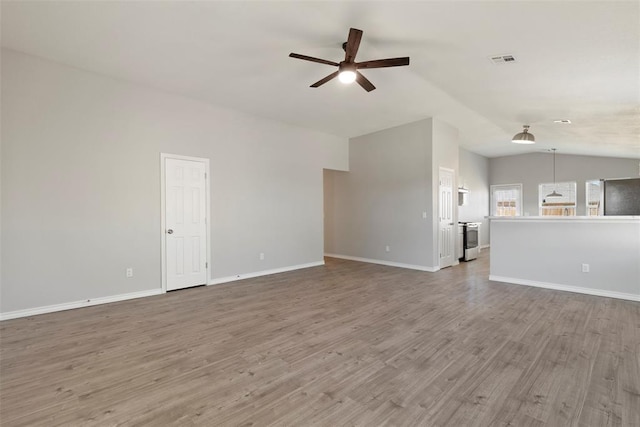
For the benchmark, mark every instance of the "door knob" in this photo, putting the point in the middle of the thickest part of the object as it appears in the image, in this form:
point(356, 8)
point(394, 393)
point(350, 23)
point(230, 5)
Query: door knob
point(169, 231)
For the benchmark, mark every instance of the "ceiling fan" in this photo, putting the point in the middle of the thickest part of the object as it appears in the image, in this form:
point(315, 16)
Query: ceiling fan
point(348, 69)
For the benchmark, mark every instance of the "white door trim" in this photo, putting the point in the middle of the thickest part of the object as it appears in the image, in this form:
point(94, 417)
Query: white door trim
point(163, 225)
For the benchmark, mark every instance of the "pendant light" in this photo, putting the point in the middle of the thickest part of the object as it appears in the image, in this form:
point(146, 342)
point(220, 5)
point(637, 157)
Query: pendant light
point(524, 137)
point(554, 194)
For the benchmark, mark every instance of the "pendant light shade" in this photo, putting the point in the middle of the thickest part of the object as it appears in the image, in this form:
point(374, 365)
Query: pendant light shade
point(554, 194)
point(524, 137)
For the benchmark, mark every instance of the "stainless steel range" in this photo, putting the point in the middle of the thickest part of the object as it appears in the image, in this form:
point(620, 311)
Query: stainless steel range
point(469, 240)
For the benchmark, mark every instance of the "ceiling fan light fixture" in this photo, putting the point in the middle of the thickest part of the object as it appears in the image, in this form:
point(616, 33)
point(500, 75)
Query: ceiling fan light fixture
point(347, 76)
point(524, 137)
point(347, 72)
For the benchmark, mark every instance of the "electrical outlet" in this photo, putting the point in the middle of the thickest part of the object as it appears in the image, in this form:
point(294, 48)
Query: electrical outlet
point(129, 272)
point(261, 256)
point(585, 268)
point(387, 248)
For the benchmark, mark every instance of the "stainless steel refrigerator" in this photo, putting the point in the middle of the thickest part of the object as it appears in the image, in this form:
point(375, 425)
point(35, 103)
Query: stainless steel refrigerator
point(620, 196)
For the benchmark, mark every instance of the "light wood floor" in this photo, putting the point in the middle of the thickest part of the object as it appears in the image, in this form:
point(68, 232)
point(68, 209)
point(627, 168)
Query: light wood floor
point(344, 344)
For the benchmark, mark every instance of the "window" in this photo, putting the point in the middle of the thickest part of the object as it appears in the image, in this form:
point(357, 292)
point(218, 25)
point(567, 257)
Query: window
point(506, 200)
point(562, 205)
point(592, 193)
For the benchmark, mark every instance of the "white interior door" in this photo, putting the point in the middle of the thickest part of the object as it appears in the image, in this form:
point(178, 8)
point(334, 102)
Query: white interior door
point(185, 223)
point(446, 241)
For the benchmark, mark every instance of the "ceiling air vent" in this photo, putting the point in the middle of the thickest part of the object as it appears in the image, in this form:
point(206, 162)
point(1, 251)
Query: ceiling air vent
point(502, 59)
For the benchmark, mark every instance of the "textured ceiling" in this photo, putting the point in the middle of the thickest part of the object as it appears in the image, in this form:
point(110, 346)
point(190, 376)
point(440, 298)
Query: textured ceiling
point(574, 60)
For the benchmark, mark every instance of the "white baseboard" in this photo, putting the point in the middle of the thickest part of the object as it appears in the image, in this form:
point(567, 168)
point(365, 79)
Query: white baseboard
point(485, 246)
point(567, 288)
point(263, 273)
point(383, 262)
point(77, 304)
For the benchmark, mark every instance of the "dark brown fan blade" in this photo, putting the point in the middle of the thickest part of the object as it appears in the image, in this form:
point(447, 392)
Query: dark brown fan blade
point(353, 43)
point(364, 82)
point(326, 79)
point(312, 59)
point(381, 63)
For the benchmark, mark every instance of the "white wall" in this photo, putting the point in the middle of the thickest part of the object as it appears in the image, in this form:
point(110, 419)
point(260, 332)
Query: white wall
point(474, 175)
point(537, 168)
point(549, 252)
point(81, 184)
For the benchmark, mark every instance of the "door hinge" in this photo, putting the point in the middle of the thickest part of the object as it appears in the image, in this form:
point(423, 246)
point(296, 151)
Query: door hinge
point(206, 265)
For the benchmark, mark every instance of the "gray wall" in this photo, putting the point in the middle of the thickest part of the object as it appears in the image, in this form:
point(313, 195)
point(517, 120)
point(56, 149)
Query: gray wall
point(393, 180)
point(81, 184)
point(550, 252)
point(474, 175)
point(536, 168)
point(381, 200)
point(329, 208)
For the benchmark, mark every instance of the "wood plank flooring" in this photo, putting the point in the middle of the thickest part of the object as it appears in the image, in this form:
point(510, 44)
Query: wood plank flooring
point(346, 344)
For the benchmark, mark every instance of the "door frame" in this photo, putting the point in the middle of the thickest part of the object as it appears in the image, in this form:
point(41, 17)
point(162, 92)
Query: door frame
point(163, 205)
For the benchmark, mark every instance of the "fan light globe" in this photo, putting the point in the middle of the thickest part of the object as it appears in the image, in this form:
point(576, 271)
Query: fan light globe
point(347, 77)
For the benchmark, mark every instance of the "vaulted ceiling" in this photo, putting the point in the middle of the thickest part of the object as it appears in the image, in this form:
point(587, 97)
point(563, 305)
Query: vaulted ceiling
point(574, 60)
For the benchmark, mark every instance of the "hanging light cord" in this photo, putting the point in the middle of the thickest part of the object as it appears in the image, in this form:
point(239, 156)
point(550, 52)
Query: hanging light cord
point(554, 193)
point(554, 167)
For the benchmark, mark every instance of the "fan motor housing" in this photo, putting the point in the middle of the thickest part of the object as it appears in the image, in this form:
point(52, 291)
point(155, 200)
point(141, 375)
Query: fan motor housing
point(346, 66)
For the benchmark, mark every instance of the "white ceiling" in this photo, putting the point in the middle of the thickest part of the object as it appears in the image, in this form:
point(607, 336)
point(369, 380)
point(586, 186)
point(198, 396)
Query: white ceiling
point(575, 60)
